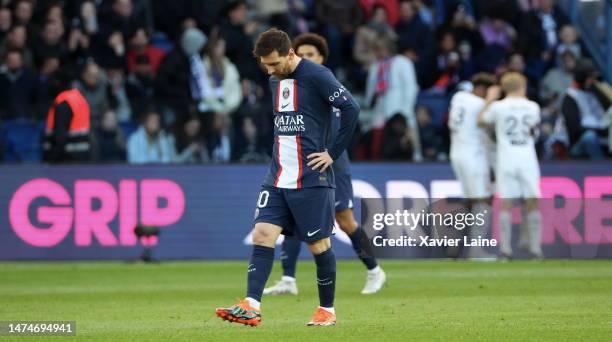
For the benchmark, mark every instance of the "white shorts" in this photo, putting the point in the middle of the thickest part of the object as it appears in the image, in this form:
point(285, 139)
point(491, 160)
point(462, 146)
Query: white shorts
point(521, 180)
point(473, 173)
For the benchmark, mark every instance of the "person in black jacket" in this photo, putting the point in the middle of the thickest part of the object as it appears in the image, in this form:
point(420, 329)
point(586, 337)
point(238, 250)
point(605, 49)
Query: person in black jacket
point(538, 37)
point(583, 114)
point(175, 82)
point(17, 87)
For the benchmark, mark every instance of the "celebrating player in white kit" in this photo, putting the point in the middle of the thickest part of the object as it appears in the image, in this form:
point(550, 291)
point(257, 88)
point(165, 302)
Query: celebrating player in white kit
point(515, 119)
point(469, 155)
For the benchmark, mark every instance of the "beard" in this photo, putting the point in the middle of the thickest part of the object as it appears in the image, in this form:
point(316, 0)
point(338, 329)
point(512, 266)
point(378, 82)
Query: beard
point(283, 73)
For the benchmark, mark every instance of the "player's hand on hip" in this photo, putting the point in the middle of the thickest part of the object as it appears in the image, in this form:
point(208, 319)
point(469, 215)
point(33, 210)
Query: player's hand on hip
point(320, 160)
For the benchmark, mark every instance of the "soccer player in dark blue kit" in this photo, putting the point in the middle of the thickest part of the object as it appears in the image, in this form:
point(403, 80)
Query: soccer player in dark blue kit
point(297, 196)
point(313, 47)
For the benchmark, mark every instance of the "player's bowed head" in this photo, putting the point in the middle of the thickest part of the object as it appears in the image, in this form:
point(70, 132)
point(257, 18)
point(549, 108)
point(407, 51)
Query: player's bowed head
point(275, 54)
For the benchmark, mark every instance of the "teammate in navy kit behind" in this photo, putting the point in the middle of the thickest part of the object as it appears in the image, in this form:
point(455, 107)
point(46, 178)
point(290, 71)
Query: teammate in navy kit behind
point(297, 197)
point(314, 48)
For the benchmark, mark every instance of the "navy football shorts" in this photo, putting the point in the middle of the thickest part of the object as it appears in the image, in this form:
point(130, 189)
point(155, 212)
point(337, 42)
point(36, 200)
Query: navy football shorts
point(344, 192)
point(306, 213)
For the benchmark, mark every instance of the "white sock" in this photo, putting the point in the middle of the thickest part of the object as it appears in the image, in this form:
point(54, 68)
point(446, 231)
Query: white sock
point(255, 304)
point(288, 278)
point(505, 232)
point(375, 270)
point(330, 310)
point(534, 224)
point(483, 209)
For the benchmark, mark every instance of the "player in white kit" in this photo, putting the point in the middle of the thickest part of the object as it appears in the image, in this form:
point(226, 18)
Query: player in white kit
point(469, 155)
point(515, 119)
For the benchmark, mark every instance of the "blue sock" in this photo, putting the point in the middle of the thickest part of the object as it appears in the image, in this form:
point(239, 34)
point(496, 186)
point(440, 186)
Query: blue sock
point(290, 249)
point(326, 277)
point(360, 247)
point(259, 269)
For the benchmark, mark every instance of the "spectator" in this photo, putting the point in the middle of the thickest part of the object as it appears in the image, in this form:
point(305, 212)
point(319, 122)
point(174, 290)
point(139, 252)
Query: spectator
point(497, 32)
point(431, 139)
point(568, 41)
point(109, 139)
point(16, 38)
point(411, 31)
point(117, 94)
point(516, 63)
point(88, 18)
point(462, 24)
point(190, 144)
point(338, 21)
point(392, 88)
point(68, 123)
point(109, 49)
point(55, 12)
point(44, 95)
point(50, 43)
point(169, 14)
point(6, 21)
point(150, 144)
point(584, 115)
point(93, 84)
point(425, 13)
point(122, 18)
point(217, 139)
point(139, 46)
point(140, 84)
point(368, 35)
point(223, 94)
point(448, 68)
point(23, 11)
point(538, 36)
point(238, 33)
point(391, 8)
point(254, 106)
point(557, 80)
point(17, 87)
point(179, 83)
point(79, 45)
point(251, 151)
point(396, 139)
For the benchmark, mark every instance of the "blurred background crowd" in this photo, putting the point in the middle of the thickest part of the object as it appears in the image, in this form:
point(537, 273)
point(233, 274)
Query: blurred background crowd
point(175, 81)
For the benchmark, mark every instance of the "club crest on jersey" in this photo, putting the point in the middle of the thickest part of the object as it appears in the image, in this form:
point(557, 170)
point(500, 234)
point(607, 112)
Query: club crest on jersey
point(286, 96)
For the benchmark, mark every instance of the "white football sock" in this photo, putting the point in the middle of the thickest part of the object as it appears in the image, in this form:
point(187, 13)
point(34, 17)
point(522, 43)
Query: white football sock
point(255, 304)
point(505, 232)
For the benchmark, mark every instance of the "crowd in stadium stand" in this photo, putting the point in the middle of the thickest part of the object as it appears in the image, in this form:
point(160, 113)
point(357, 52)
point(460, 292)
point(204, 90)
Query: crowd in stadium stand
point(176, 82)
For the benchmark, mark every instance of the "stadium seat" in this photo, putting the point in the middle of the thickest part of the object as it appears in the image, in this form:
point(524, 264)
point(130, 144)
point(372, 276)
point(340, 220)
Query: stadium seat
point(21, 140)
point(160, 40)
point(128, 128)
point(436, 103)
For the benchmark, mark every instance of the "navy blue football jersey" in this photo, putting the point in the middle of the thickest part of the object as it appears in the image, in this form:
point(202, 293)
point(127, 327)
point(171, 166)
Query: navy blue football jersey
point(302, 124)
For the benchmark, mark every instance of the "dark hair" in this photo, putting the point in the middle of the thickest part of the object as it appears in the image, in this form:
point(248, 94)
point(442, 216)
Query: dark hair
point(13, 50)
point(312, 39)
point(270, 41)
point(148, 111)
point(483, 79)
point(584, 70)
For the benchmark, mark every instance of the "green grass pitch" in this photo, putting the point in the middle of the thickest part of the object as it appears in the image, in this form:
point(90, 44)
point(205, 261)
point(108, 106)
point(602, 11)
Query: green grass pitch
point(423, 300)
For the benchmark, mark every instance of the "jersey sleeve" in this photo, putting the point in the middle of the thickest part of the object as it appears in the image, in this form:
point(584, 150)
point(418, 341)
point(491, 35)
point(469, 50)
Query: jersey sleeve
point(330, 89)
point(338, 96)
